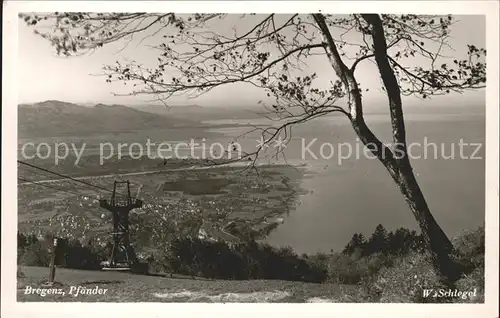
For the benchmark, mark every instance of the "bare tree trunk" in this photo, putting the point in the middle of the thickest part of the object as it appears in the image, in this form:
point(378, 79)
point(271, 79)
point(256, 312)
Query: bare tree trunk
point(438, 243)
point(399, 168)
point(435, 238)
point(441, 249)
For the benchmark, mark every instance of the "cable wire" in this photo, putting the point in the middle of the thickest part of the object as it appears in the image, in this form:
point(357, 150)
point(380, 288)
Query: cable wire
point(68, 177)
point(48, 186)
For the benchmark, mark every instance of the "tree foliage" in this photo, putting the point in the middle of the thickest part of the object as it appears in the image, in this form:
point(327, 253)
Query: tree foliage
point(398, 242)
point(271, 53)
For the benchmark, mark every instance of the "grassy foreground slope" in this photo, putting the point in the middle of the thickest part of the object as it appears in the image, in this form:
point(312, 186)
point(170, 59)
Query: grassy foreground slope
point(126, 287)
point(400, 279)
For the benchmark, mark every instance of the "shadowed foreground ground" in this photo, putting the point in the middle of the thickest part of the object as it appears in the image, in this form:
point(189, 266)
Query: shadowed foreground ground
point(125, 287)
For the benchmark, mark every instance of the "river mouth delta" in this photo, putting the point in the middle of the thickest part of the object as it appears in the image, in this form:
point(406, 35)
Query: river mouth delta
point(185, 197)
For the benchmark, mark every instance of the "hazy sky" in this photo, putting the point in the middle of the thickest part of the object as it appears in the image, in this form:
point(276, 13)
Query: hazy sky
point(44, 75)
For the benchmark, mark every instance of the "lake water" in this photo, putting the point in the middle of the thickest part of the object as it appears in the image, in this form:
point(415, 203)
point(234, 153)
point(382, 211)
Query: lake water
point(356, 194)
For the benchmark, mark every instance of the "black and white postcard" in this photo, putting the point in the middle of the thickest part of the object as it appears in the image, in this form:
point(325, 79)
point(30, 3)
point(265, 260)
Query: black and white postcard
point(233, 158)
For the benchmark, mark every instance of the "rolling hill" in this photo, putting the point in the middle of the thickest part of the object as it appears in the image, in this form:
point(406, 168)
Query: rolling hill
point(58, 118)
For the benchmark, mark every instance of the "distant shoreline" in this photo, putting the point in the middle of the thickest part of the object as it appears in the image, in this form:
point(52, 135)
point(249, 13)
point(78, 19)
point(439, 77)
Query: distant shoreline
point(215, 166)
point(205, 127)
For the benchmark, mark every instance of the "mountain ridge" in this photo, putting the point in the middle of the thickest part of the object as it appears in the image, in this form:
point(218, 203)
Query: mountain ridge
point(54, 118)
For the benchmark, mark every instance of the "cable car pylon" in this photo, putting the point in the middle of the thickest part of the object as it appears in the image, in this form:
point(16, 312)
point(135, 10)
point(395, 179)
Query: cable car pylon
point(122, 255)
